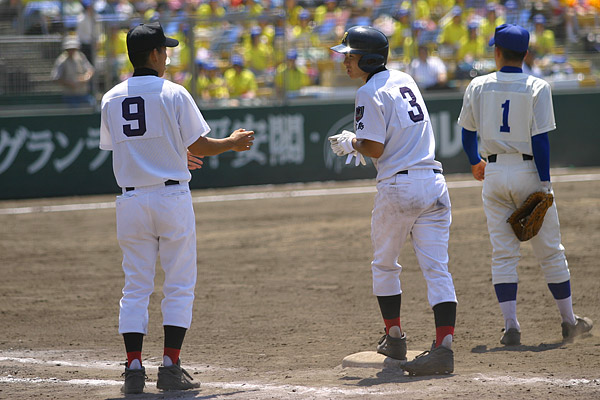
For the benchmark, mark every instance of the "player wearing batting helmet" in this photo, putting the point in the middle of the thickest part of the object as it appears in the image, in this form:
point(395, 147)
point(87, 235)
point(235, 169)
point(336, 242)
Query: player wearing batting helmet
point(392, 126)
point(150, 124)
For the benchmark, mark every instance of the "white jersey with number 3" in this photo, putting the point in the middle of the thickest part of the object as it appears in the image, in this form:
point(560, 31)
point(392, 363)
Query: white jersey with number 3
point(507, 109)
point(153, 121)
point(390, 110)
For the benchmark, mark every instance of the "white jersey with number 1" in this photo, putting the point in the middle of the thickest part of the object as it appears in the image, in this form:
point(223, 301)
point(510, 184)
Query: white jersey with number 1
point(153, 121)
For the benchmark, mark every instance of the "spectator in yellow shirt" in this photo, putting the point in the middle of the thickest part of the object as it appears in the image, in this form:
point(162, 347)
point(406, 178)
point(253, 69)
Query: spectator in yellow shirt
point(488, 24)
point(411, 43)
point(241, 82)
point(213, 86)
point(473, 45)
point(542, 39)
point(258, 54)
point(453, 31)
point(401, 30)
point(210, 13)
point(290, 76)
point(328, 10)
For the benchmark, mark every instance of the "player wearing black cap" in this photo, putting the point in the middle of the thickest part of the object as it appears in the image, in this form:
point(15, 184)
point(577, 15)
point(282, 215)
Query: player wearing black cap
point(150, 124)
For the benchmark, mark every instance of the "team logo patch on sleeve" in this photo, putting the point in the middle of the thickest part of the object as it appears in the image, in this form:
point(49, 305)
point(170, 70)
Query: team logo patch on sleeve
point(360, 112)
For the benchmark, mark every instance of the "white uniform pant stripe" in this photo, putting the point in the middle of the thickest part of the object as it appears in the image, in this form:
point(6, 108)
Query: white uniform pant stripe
point(150, 223)
point(507, 184)
point(417, 205)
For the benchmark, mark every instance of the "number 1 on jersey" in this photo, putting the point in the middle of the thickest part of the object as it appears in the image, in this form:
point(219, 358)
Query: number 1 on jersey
point(504, 127)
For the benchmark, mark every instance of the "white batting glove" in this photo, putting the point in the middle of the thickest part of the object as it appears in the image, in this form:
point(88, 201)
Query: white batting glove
point(341, 144)
point(359, 158)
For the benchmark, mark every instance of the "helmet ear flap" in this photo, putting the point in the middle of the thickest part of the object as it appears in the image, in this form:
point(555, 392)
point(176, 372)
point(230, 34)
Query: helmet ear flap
point(371, 62)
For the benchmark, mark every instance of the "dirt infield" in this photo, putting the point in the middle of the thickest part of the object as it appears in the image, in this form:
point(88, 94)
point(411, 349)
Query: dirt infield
point(284, 294)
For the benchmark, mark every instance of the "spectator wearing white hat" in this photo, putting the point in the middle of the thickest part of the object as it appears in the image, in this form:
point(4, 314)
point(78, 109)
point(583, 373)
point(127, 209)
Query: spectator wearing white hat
point(73, 71)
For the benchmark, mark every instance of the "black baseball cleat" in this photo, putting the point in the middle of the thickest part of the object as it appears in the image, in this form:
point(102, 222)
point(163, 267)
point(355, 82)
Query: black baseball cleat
point(393, 347)
point(437, 361)
point(511, 337)
point(582, 325)
point(175, 378)
point(135, 380)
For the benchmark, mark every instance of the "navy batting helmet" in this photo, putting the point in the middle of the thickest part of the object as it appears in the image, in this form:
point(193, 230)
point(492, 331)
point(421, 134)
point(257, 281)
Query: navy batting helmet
point(367, 41)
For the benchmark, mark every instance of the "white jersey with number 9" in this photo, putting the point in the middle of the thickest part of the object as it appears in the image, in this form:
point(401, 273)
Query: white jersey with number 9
point(153, 121)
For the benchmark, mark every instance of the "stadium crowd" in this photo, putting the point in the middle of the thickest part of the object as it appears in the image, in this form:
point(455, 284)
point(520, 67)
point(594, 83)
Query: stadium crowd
point(249, 48)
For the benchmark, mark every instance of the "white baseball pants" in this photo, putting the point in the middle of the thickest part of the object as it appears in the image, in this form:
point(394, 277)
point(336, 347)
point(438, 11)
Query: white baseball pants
point(508, 182)
point(415, 204)
point(157, 221)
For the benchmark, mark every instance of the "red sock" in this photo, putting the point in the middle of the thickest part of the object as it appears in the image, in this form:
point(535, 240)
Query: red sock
point(391, 322)
point(441, 332)
point(134, 355)
point(172, 353)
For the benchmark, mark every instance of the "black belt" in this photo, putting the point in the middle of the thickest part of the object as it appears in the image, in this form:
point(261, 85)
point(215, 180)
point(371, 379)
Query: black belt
point(493, 157)
point(405, 172)
point(167, 183)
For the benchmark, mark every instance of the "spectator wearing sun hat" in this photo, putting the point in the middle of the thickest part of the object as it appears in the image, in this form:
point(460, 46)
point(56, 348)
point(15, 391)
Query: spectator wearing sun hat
point(73, 72)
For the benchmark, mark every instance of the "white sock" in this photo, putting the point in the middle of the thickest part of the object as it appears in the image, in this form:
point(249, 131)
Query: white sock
point(447, 341)
point(135, 364)
point(167, 361)
point(395, 331)
point(509, 311)
point(565, 306)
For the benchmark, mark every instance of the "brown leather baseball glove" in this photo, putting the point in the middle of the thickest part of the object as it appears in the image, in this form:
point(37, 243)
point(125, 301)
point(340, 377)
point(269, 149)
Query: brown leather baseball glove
point(527, 220)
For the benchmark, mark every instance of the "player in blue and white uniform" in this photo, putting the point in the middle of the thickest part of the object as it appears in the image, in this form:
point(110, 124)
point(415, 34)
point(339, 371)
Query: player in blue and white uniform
point(513, 113)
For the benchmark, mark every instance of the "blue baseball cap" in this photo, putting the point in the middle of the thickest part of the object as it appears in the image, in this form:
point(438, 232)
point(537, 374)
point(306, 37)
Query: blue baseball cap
point(511, 37)
point(237, 60)
point(292, 54)
point(539, 19)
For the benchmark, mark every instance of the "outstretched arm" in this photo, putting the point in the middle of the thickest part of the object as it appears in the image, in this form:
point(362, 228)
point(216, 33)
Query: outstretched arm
point(239, 140)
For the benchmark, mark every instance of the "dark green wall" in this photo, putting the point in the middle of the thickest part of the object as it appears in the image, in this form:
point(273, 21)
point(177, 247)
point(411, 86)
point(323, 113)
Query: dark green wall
point(43, 156)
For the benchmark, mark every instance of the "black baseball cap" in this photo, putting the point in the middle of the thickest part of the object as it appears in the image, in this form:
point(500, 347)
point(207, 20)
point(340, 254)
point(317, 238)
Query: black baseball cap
point(146, 37)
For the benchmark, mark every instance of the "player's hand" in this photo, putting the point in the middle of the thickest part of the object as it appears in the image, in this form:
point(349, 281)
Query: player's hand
point(341, 144)
point(241, 139)
point(478, 170)
point(546, 186)
point(194, 162)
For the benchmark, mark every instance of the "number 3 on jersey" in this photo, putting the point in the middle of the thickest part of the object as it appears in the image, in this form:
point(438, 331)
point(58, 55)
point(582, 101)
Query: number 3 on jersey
point(134, 110)
point(419, 116)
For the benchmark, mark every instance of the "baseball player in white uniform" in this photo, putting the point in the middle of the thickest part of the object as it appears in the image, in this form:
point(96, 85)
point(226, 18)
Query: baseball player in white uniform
point(512, 112)
point(150, 124)
point(392, 126)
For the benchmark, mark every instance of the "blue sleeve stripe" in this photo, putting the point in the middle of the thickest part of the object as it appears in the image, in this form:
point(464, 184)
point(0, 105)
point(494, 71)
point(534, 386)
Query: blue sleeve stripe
point(541, 155)
point(469, 142)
